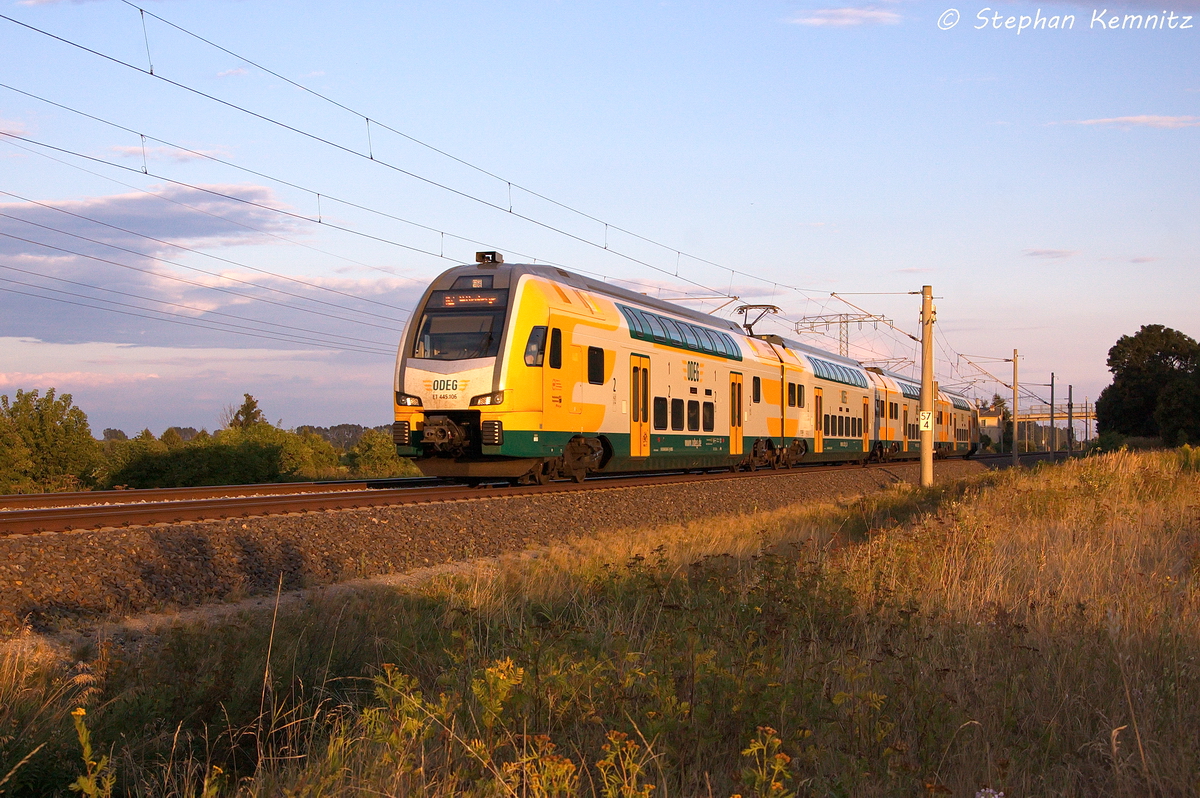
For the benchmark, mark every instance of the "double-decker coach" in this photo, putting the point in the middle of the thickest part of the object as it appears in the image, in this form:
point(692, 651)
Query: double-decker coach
point(530, 372)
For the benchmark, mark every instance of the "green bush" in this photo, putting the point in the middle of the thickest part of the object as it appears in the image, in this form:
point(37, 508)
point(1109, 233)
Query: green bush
point(243, 455)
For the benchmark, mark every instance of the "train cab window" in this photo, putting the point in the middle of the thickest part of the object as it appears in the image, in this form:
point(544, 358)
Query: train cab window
point(556, 348)
point(709, 416)
point(693, 416)
point(756, 391)
point(595, 365)
point(660, 412)
point(535, 347)
point(458, 334)
point(791, 394)
point(676, 414)
point(799, 395)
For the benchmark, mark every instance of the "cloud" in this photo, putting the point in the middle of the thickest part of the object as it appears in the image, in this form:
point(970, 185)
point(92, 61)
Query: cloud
point(236, 72)
point(1144, 259)
point(52, 379)
point(13, 128)
point(847, 17)
point(913, 270)
point(166, 212)
point(173, 153)
point(34, 292)
point(1126, 122)
point(1051, 254)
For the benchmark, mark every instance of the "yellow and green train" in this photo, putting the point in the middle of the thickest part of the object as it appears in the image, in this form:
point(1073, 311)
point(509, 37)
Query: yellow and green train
point(531, 373)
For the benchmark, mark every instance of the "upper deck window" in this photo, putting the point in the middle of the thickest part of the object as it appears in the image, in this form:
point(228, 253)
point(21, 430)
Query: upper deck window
point(647, 326)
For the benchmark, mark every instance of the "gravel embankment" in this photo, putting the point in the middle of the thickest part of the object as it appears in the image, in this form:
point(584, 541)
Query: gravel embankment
point(51, 577)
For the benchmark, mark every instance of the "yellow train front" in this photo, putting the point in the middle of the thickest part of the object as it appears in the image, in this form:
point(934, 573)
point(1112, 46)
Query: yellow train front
point(530, 373)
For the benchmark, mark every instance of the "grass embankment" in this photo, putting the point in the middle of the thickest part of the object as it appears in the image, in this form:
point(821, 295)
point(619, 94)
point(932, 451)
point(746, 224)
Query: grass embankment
point(1033, 632)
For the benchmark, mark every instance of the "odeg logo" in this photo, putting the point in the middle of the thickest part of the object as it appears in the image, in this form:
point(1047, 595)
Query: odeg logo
point(948, 19)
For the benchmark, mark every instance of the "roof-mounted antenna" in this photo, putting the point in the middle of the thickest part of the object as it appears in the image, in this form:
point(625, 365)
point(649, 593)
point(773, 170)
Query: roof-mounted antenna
point(489, 257)
point(746, 310)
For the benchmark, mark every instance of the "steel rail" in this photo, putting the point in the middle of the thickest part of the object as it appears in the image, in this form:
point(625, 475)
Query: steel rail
point(278, 500)
point(140, 495)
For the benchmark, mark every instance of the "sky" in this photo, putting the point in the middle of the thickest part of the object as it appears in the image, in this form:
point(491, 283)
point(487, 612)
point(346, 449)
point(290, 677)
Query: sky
point(204, 199)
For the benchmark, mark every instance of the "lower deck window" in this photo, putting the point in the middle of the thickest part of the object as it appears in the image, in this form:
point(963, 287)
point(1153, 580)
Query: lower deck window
point(595, 365)
point(709, 417)
point(676, 414)
point(693, 416)
point(660, 412)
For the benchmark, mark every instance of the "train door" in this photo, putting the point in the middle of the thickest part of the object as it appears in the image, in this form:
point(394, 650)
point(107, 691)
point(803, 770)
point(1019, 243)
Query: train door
point(905, 427)
point(560, 374)
point(639, 406)
point(818, 418)
point(866, 425)
point(735, 413)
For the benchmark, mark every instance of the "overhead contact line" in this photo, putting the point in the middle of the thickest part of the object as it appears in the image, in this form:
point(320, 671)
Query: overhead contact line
point(370, 157)
point(180, 305)
point(174, 277)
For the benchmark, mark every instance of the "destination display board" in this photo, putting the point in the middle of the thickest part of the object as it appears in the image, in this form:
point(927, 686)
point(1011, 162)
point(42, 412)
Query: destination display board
point(496, 298)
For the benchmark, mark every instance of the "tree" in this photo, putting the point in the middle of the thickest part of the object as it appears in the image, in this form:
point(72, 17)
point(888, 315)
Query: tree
point(247, 415)
point(1143, 365)
point(111, 434)
point(1178, 410)
point(57, 435)
point(15, 463)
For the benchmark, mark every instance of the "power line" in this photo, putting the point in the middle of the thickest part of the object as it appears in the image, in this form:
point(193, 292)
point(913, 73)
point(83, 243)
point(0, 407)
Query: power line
point(370, 157)
point(169, 276)
point(509, 183)
point(214, 257)
point(281, 181)
point(8, 137)
point(186, 307)
point(174, 321)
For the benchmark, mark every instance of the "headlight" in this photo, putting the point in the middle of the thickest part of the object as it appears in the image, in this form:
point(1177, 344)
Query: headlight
point(496, 398)
point(404, 400)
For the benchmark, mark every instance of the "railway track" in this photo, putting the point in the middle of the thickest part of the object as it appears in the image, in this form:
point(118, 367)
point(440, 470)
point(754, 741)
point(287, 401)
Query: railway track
point(67, 512)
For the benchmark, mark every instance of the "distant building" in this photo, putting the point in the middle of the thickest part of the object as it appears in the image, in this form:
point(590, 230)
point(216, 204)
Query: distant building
point(991, 424)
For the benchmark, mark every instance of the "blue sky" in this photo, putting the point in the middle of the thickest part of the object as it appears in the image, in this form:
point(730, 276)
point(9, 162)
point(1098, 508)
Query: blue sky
point(1044, 181)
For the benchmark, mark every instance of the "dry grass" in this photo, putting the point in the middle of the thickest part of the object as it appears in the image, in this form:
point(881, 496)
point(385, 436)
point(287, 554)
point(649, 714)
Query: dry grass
point(1035, 632)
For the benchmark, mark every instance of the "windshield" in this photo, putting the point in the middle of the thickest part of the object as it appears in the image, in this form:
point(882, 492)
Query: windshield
point(458, 335)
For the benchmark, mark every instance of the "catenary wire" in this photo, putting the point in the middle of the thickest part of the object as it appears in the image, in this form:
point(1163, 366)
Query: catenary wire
point(8, 137)
point(183, 323)
point(193, 307)
point(370, 157)
point(219, 258)
point(174, 278)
